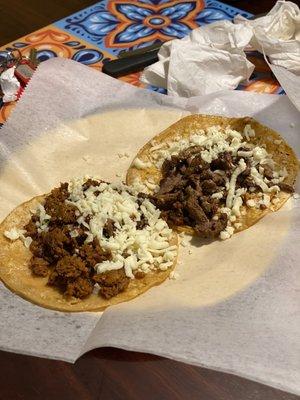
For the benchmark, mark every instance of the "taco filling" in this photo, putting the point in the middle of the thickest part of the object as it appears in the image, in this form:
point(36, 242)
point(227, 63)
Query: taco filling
point(211, 180)
point(90, 237)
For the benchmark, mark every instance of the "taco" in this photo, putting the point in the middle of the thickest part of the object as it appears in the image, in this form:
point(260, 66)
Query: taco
point(85, 246)
point(213, 176)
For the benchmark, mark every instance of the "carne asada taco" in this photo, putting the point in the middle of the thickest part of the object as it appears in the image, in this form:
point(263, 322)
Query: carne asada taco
point(85, 246)
point(213, 176)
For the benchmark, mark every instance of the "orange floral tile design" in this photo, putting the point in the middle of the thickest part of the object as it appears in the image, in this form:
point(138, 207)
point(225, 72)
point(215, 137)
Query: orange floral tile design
point(54, 42)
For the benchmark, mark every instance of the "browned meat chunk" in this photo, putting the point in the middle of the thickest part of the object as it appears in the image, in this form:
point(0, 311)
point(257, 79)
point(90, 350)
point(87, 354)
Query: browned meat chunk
point(65, 256)
point(81, 236)
point(112, 282)
point(268, 172)
point(63, 214)
point(163, 201)
point(173, 218)
point(57, 195)
point(185, 191)
point(72, 277)
point(93, 253)
point(213, 228)
point(218, 179)
point(169, 165)
point(197, 163)
point(209, 175)
point(218, 226)
point(286, 188)
point(79, 288)
point(39, 266)
point(169, 183)
point(89, 183)
point(57, 208)
point(142, 223)
point(109, 228)
point(195, 183)
point(248, 182)
point(55, 244)
point(195, 211)
point(36, 247)
point(189, 152)
point(31, 229)
point(209, 187)
point(223, 162)
point(141, 197)
point(70, 267)
point(209, 206)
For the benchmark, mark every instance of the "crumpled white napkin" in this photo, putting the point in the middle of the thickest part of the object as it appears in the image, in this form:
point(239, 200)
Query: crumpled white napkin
point(277, 35)
point(209, 59)
point(9, 85)
point(212, 57)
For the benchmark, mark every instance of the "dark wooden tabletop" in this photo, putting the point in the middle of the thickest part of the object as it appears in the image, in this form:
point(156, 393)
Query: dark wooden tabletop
point(109, 373)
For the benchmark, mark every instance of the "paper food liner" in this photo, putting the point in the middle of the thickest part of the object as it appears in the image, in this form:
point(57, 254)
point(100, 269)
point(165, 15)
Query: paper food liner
point(235, 306)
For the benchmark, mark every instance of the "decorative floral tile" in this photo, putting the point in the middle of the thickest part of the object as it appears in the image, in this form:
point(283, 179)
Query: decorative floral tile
point(53, 42)
point(98, 33)
point(117, 24)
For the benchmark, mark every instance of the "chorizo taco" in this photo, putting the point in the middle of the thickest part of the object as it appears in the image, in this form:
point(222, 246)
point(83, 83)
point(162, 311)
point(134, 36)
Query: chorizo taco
point(213, 176)
point(85, 246)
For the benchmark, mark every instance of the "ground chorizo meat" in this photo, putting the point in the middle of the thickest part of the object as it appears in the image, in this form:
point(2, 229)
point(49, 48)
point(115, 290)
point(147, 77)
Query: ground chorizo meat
point(39, 266)
point(31, 229)
point(72, 276)
point(71, 267)
point(112, 282)
point(93, 254)
point(64, 257)
point(80, 288)
point(57, 195)
point(109, 228)
point(55, 244)
point(64, 214)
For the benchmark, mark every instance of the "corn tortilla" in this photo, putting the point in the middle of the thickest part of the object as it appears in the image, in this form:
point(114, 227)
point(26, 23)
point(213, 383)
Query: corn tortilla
point(282, 154)
point(16, 275)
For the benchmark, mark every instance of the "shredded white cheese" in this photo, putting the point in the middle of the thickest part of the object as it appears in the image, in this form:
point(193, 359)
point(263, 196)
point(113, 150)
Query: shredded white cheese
point(227, 233)
point(140, 164)
point(14, 234)
point(217, 195)
point(258, 179)
point(134, 249)
point(248, 131)
point(251, 203)
point(239, 169)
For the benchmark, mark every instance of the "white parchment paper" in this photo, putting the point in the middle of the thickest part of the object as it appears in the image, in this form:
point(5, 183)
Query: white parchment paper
point(235, 306)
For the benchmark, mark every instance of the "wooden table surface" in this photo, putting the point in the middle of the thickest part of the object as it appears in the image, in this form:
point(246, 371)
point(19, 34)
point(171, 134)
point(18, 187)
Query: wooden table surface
point(110, 373)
